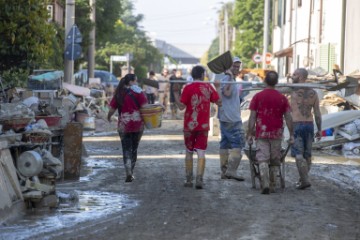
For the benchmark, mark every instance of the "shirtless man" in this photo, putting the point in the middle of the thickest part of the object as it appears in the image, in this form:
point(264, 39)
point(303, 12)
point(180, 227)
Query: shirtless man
point(305, 106)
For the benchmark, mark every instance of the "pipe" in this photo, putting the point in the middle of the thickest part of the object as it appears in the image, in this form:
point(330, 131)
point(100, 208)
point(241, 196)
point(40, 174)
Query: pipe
point(343, 31)
point(266, 33)
point(309, 32)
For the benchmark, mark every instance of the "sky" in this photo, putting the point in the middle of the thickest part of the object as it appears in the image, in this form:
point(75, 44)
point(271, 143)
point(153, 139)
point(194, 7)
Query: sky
point(180, 22)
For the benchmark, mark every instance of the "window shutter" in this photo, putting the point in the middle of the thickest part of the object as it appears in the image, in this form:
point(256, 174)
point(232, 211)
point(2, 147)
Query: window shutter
point(327, 56)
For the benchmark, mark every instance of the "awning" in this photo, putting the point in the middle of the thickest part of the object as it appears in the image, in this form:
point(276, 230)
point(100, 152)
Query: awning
point(286, 52)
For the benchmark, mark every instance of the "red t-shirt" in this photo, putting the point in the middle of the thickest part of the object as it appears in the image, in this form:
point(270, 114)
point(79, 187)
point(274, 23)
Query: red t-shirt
point(129, 116)
point(270, 106)
point(197, 97)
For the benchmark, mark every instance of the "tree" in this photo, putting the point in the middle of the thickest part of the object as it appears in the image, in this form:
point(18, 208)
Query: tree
point(117, 33)
point(248, 20)
point(26, 37)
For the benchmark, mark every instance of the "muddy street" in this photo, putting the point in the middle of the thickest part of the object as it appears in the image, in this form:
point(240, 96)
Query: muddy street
point(156, 205)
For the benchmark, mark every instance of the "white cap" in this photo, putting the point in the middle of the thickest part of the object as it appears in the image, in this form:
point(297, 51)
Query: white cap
point(236, 59)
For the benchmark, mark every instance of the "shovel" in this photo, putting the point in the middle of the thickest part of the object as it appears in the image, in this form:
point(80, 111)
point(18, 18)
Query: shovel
point(221, 63)
point(151, 83)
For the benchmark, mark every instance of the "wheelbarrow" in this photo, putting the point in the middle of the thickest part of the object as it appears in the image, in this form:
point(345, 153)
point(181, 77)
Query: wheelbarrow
point(254, 166)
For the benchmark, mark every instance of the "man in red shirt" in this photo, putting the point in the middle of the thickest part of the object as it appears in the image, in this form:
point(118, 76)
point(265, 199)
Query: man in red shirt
point(268, 108)
point(196, 98)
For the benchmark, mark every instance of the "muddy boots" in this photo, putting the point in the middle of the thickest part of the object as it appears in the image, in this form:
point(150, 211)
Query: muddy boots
point(200, 173)
point(303, 169)
point(233, 164)
point(189, 171)
point(224, 157)
point(273, 176)
point(264, 175)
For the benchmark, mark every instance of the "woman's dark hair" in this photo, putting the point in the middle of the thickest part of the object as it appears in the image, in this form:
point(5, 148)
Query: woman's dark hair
point(120, 89)
point(197, 72)
point(271, 78)
point(152, 73)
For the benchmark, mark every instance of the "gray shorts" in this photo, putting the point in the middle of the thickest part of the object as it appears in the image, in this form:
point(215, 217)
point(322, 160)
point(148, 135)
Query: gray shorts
point(269, 151)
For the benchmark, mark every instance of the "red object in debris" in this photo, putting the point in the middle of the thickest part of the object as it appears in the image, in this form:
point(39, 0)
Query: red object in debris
point(51, 121)
point(16, 124)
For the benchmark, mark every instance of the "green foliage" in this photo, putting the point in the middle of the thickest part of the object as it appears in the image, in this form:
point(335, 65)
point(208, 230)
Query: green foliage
point(248, 20)
point(117, 33)
point(25, 35)
point(214, 49)
point(141, 72)
point(15, 77)
point(28, 41)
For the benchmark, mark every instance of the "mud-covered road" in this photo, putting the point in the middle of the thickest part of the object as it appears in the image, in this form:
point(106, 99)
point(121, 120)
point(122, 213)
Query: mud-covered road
point(156, 205)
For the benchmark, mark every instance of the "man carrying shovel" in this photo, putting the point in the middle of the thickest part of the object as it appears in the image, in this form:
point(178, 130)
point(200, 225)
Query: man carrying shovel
point(232, 134)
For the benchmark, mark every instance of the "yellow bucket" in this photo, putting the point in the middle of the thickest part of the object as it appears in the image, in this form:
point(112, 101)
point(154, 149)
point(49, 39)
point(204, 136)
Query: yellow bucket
point(152, 115)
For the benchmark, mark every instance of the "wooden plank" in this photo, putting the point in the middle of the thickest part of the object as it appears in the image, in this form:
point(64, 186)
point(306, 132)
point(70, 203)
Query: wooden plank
point(10, 190)
point(72, 150)
point(77, 90)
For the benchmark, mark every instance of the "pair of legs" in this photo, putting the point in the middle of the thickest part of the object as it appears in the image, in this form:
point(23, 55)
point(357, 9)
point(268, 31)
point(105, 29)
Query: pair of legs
point(151, 98)
point(231, 143)
point(268, 155)
point(130, 143)
point(304, 136)
point(195, 141)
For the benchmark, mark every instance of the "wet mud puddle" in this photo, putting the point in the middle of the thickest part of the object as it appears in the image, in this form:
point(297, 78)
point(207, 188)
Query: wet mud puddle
point(75, 207)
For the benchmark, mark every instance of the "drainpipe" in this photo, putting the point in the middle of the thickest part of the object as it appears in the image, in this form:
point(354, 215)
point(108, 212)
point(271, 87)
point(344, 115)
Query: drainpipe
point(295, 37)
point(343, 31)
point(321, 20)
point(288, 66)
point(266, 33)
point(309, 33)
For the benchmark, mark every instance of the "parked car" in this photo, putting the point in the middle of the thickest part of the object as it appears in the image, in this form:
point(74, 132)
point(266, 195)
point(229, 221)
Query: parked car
point(106, 78)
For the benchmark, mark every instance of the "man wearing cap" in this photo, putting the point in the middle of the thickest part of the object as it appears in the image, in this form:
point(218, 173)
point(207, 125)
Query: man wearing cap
point(232, 134)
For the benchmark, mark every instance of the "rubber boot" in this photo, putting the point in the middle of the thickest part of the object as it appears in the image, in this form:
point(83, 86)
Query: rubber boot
point(129, 177)
point(234, 162)
point(224, 158)
point(189, 170)
point(309, 163)
point(200, 173)
point(264, 175)
point(303, 169)
point(273, 175)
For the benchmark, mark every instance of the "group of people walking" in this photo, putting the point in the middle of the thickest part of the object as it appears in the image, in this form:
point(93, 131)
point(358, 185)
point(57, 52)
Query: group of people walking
point(269, 108)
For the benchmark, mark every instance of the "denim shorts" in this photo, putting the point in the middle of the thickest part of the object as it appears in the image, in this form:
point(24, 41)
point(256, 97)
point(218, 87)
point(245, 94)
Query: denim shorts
point(304, 137)
point(232, 135)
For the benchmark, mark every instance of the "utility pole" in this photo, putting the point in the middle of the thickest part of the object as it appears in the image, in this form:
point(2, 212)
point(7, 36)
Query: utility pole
point(266, 33)
point(69, 22)
point(226, 28)
point(91, 52)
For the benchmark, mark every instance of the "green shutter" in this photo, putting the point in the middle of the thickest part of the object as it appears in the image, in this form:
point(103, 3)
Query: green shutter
point(327, 56)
